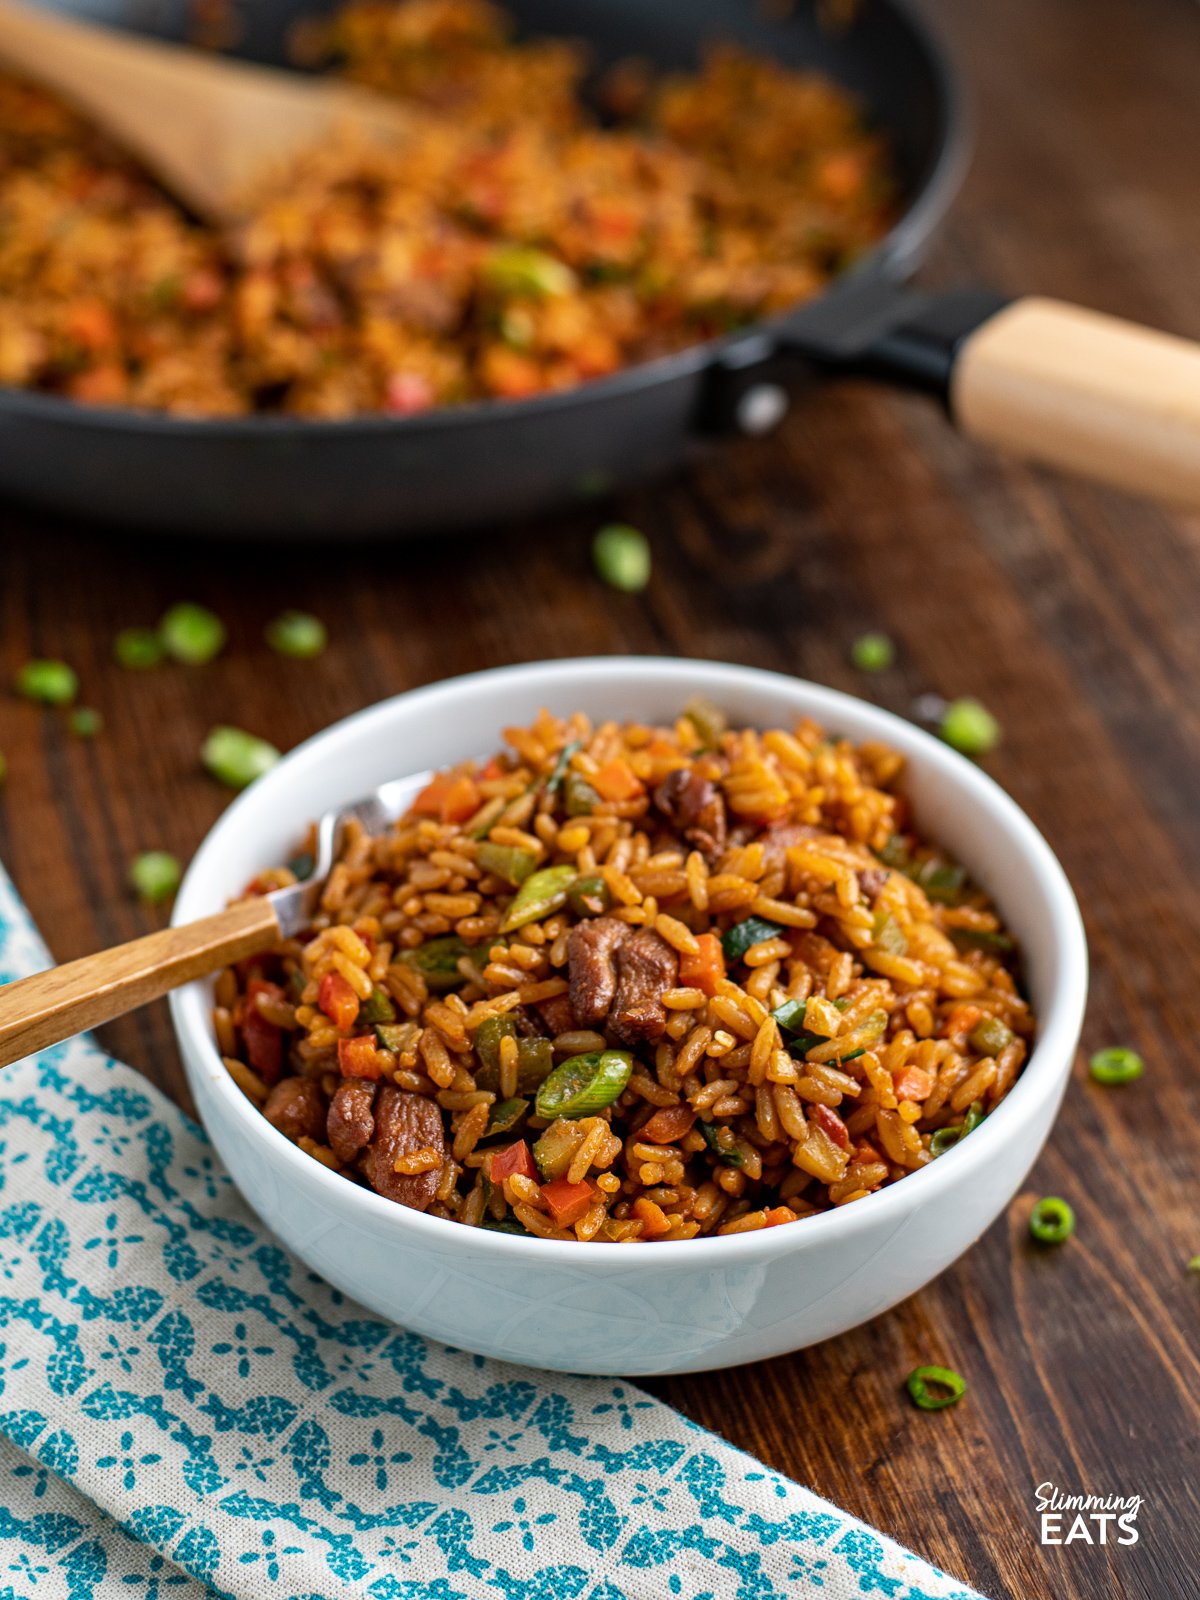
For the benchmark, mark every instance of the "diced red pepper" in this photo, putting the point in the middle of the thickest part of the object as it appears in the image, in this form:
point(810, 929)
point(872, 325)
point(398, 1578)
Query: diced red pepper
point(617, 781)
point(359, 1058)
point(338, 1000)
point(667, 1125)
point(705, 969)
point(912, 1083)
point(567, 1201)
point(778, 1215)
point(447, 798)
point(408, 393)
point(829, 1122)
point(513, 1160)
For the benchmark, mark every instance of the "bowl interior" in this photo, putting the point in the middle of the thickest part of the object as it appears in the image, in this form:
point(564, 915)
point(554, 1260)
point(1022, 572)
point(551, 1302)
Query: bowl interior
point(955, 804)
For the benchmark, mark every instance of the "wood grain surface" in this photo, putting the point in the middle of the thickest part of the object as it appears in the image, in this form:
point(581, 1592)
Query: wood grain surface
point(1073, 612)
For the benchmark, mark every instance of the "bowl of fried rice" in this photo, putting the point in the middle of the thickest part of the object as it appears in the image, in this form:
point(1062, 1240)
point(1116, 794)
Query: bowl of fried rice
point(688, 1014)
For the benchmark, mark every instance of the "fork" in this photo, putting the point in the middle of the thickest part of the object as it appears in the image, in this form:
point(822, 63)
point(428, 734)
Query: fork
point(53, 1005)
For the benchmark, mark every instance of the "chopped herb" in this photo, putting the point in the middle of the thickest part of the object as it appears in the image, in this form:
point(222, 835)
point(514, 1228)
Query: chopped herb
point(1116, 1065)
point(138, 648)
point(951, 1385)
point(585, 1084)
point(790, 1015)
point(895, 852)
point(970, 727)
point(155, 876)
point(622, 557)
point(297, 634)
point(504, 1225)
point(873, 652)
point(745, 935)
point(731, 1156)
point(235, 757)
point(53, 683)
point(191, 633)
point(1051, 1221)
point(85, 722)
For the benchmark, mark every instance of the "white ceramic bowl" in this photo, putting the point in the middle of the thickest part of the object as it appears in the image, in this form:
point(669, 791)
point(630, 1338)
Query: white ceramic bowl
point(671, 1307)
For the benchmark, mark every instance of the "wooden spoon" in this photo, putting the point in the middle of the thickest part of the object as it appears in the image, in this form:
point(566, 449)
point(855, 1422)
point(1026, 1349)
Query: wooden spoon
point(208, 126)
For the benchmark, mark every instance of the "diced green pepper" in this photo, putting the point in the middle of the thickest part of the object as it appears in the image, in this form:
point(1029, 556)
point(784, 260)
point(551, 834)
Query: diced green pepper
point(990, 1036)
point(585, 1084)
point(505, 1116)
point(393, 1035)
point(887, 934)
point(535, 1056)
point(437, 960)
point(488, 1035)
point(507, 861)
point(378, 1007)
point(589, 896)
point(555, 1148)
point(743, 936)
point(709, 721)
point(542, 893)
point(579, 798)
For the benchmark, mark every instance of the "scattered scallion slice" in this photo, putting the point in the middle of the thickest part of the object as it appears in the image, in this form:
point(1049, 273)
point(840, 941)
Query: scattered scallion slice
point(53, 683)
point(969, 727)
point(583, 1085)
point(622, 557)
point(1052, 1220)
point(873, 652)
point(559, 771)
point(437, 960)
point(138, 648)
point(1116, 1065)
point(540, 894)
point(235, 757)
point(952, 1387)
point(155, 875)
point(378, 1007)
point(191, 633)
point(297, 634)
point(946, 1138)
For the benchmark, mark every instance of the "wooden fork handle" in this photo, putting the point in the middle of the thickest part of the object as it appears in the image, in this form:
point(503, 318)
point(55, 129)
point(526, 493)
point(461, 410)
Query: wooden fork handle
point(53, 1005)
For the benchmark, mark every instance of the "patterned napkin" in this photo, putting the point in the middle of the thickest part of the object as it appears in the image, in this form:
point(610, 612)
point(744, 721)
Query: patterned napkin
point(185, 1410)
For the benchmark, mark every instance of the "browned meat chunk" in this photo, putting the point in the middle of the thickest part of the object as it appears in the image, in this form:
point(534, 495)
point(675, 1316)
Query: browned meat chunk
point(557, 1014)
point(872, 880)
point(404, 1124)
point(647, 967)
point(351, 1118)
point(591, 947)
point(296, 1108)
point(778, 840)
point(690, 800)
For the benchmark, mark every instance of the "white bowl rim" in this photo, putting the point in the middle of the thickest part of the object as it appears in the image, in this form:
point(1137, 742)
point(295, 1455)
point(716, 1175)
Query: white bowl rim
point(1059, 1021)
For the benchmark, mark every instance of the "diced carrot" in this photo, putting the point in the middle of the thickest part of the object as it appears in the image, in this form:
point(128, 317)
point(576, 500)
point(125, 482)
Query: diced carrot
point(617, 780)
point(491, 772)
point(653, 1218)
point(667, 1125)
point(778, 1215)
point(841, 174)
point(706, 968)
point(514, 1160)
point(447, 798)
point(509, 374)
point(90, 323)
point(338, 1000)
point(961, 1020)
point(912, 1083)
point(829, 1122)
point(567, 1201)
point(359, 1058)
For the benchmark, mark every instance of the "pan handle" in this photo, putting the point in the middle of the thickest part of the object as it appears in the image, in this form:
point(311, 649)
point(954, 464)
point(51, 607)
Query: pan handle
point(1058, 384)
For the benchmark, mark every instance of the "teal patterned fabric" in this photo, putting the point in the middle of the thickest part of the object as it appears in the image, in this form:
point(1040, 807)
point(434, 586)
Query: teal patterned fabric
point(186, 1411)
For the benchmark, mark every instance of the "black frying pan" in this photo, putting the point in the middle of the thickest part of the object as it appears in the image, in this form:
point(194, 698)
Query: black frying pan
point(1063, 385)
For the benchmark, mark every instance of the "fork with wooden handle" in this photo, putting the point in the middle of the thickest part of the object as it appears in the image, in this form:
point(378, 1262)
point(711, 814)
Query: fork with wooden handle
point(53, 1005)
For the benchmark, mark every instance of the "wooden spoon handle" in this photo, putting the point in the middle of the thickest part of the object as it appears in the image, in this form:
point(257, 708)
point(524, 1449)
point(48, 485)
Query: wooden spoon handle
point(53, 1005)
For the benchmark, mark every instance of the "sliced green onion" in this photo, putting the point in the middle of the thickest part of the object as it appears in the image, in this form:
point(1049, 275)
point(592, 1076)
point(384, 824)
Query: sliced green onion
point(54, 683)
point(622, 557)
point(517, 269)
point(1051, 1220)
point(138, 648)
point(990, 1036)
point(1116, 1065)
point(946, 1138)
point(745, 935)
point(191, 633)
point(589, 896)
point(507, 861)
point(952, 1385)
point(155, 875)
point(85, 722)
point(583, 1085)
point(235, 757)
point(298, 634)
point(560, 766)
point(970, 727)
point(540, 894)
point(378, 1007)
point(873, 652)
point(437, 960)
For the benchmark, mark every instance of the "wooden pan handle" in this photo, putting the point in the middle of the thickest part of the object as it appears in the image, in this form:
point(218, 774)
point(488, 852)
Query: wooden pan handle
point(53, 1005)
point(1085, 391)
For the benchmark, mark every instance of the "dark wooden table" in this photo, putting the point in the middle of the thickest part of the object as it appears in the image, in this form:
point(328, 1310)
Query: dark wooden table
point(1070, 611)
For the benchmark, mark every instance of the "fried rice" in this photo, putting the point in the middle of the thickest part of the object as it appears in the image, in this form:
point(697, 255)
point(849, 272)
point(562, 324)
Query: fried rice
point(517, 244)
point(625, 983)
